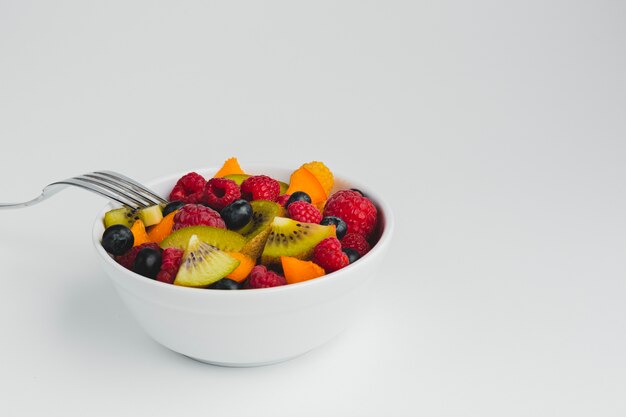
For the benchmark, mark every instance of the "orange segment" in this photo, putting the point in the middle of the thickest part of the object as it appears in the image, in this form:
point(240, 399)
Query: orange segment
point(139, 233)
point(246, 264)
point(297, 271)
point(160, 231)
point(322, 174)
point(303, 180)
point(231, 166)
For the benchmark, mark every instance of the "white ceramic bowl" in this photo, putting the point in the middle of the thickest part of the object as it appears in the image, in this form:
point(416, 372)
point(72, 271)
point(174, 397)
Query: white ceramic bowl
point(247, 327)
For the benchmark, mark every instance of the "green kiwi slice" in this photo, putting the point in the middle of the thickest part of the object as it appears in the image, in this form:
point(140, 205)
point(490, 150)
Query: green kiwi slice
point(124, 215)
point(288, 237)
point(258, 229)
point(203, 264)
point(239, 178)
point(223, 239)
point(283, 187)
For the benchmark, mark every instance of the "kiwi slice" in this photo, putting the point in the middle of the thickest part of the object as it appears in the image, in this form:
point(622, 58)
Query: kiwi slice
point(124, 215)
point(203, 264)
point(223, 239)
point(288, 237)
point(151, 215)
point(258, 229)
point(239, 178)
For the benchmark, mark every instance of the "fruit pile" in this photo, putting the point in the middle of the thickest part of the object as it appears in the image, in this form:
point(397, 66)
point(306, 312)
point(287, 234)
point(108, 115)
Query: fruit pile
point(240, 231)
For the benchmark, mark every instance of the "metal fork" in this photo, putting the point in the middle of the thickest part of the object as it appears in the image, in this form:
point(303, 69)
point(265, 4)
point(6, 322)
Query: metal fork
point(109, 184)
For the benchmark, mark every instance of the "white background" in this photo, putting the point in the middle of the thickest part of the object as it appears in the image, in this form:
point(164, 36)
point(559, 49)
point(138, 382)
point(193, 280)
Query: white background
point(495, 129)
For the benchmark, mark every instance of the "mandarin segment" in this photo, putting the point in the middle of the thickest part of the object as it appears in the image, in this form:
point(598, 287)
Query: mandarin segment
point(303, 180)
point(297, 270)
point(246, 264)
point(139, 232)
point(163, 229)
point(322, 174)
point(230, 167)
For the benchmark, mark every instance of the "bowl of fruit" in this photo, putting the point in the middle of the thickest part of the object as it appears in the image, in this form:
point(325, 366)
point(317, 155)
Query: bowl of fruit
point(246, 268)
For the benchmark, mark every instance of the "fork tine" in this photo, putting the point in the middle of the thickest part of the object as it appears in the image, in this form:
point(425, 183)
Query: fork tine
point(129, 181)
point(92, 186)
point(121, 187)
point(120, 192)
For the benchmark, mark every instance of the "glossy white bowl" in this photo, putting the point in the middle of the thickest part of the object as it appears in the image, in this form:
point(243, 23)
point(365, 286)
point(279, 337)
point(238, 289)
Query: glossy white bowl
point(247, 327)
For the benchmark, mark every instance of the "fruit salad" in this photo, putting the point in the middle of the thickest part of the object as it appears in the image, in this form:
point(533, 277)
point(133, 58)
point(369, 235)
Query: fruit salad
point(238, 230)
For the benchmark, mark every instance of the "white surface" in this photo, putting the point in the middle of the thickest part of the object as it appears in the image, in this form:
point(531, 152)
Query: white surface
point(496, 129)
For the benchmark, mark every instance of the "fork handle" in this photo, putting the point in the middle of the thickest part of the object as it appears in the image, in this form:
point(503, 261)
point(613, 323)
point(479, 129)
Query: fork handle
point(54, 188)
point(47, 192)
point(32, 202)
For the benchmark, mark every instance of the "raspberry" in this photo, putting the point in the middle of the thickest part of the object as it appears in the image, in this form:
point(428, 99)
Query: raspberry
point(220, 192)
point(169, 265)
point(329, 256)
point(282, 199)
point(261, 277)
point(195, 215)
point(302, 211)
point(127, 259)
point(189, 188)
point(260, 187)
point(357, 211)
point(356, 242)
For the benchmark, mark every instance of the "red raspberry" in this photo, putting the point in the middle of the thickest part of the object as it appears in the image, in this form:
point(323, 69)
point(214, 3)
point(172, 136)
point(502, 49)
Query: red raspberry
point(171, 258)
point(220, 192)
point(329, 256)
point(196, 215)
point(189, 188)
point(261, 277)
point(260, 187)
point(302, 211)
point(356, 242)
point(282, 199)
point(127, 259)
point(357, 211)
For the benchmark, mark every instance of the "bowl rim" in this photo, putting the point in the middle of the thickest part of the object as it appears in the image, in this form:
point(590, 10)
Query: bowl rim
point(383, 241)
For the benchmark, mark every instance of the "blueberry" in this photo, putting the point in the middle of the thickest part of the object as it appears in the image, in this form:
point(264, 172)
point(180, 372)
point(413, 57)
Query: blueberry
point(117, 239)
point(340, 226)
point(353, 255)
point(298, 196)
point(237, 214)
point(225, 284)
point(172, 206)
point(148, 262)
point(359, 191)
